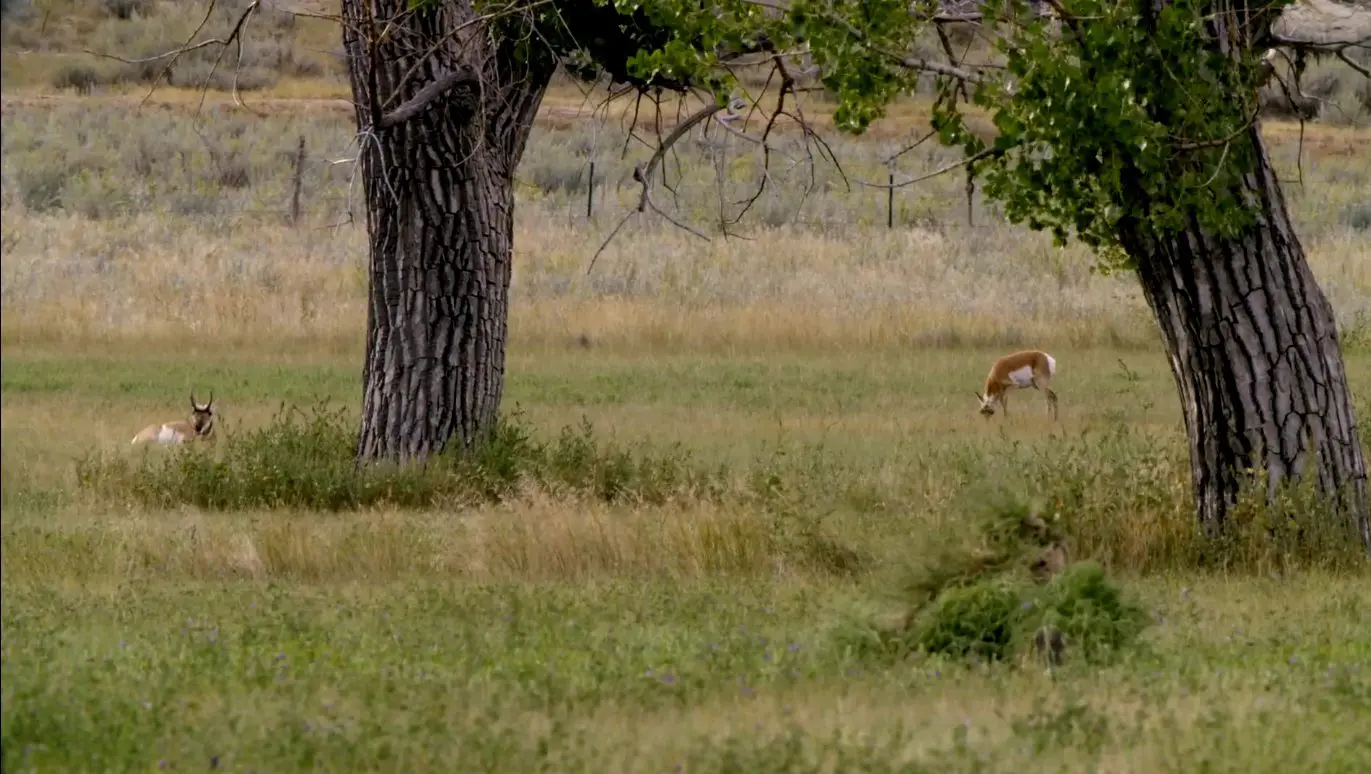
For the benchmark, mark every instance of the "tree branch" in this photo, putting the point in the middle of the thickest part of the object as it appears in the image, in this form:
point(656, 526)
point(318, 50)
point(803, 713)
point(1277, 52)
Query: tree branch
point(435, 89)
point(1347, 60)
point(1322, 26)
point(642, 174)
point(968, 161)
point(235, 35)
point(1225, 140)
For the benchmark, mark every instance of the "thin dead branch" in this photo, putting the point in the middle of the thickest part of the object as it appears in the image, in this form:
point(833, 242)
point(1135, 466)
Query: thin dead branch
point(235, 35)
point(642, 174)
point(968, 161)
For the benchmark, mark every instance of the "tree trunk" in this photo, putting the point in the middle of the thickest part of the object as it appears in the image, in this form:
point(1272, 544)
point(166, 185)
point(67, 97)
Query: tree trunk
point(438, 177)
point(1254, 351)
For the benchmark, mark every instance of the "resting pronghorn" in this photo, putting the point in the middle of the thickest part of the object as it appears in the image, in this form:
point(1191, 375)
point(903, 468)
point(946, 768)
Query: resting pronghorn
point(1020, 370)
point(201, 425)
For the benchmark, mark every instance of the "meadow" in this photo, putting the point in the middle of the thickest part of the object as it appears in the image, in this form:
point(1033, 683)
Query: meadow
point(731, 469)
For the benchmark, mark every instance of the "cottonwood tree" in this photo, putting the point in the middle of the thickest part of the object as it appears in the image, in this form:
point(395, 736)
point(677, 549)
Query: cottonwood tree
point(1130, 125)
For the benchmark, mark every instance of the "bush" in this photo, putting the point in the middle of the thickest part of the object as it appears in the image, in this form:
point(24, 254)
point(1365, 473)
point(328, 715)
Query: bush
point(1358, 214)
point(1089, 610)
point(306, 461)
point(125, 9)
point(976, 620)
point(992, 596)
point(80, 78)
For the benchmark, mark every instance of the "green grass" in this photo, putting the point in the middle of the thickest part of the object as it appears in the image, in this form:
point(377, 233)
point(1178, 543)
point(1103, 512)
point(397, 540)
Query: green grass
point(441, 676)
point(552, 629)
point(783, 506)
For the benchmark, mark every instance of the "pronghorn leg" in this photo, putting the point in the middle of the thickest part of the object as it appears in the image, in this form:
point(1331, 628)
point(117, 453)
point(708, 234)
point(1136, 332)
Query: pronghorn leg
point(1045, 385)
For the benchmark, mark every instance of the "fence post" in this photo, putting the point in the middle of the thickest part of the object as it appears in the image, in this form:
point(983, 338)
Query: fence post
point(970, 196)
point(299, 180)
point(590, 191)
point(890, 195)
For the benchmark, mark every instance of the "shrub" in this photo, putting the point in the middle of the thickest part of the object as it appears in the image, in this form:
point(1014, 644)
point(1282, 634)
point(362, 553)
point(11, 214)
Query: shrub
point(79, 78)
point(1090, 610)
point(1358, 214)
point(125, 9)
point(976, 597)
point(570, 176)
point(41, 186)
point(303, 460)
point(976, 620)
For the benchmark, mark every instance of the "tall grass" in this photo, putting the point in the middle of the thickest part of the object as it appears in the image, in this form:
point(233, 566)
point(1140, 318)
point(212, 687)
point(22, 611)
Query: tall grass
point(177, 232)
point(1121, 496)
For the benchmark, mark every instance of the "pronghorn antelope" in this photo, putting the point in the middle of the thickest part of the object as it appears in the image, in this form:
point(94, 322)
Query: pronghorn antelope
point(201, 425)
point(1020, 370)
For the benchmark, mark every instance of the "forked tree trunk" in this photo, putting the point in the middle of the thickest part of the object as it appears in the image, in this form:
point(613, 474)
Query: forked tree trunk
point(440, 205)
point(1254, 350)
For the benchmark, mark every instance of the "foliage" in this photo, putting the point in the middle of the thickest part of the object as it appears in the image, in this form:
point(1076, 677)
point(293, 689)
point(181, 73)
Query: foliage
point(1130, 119)
point(305, 460)
point(1119, 116)
point(1001, 587)
point(1090, 610)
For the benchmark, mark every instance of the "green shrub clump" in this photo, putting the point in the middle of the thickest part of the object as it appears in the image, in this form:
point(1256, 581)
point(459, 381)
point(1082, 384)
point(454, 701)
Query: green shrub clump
point(1003, 589)
point(306, 460)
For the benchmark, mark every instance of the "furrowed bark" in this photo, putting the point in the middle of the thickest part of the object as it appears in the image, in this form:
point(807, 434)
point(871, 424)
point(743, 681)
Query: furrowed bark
point(438, 181)
point(1254, 351)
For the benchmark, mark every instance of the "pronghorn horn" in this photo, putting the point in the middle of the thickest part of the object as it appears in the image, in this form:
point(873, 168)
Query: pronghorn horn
point(193, 404)
point(211, 399)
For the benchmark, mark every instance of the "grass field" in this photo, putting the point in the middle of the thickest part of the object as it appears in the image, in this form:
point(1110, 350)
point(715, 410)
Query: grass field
point(558, 631)
point(745, 460)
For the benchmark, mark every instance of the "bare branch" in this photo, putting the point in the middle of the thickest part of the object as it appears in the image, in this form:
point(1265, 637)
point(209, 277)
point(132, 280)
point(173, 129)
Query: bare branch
point(938, 68)
point(435, 89)
point(787, 87)
point(969, 160)
point(642, 174)
point(1225, 140)
point(235, 35)
point(906, 149)
point(1342, 54)
point(1322, 25)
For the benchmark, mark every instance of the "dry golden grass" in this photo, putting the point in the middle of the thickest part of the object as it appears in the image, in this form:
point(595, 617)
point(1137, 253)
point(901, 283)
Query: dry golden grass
point(836, 279)
point(533, 538)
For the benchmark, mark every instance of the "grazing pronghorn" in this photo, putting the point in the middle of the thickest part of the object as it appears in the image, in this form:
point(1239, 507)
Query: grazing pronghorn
point(201, 425)
point(1020, 370)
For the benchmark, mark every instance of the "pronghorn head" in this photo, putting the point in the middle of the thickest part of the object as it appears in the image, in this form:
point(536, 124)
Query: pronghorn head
point(202, 417)
point(987, 405)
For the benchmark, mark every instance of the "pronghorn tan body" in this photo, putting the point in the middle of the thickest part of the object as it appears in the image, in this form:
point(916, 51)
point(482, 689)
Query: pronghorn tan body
point(1018, 371)
point(199, 426)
